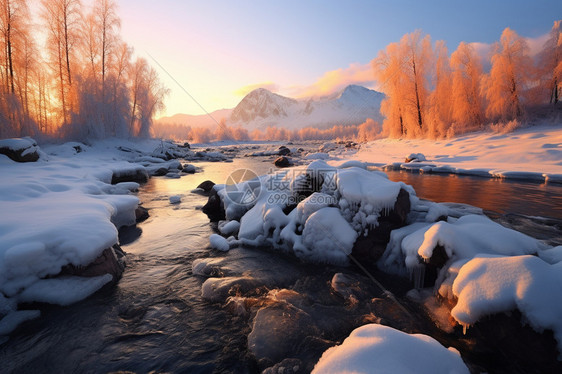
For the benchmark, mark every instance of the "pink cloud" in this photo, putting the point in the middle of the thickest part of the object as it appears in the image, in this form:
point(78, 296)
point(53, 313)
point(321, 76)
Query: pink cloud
point(336, 80)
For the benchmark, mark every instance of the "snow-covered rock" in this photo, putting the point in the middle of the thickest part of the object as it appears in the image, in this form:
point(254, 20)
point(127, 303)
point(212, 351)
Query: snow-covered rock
point(492, 284)
point(219, 243)
point(20, 149)
point(333, 208)
point(381, 349)
point(175, 199)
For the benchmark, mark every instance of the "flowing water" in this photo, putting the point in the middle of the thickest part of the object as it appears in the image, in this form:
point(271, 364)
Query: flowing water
point(155, 319)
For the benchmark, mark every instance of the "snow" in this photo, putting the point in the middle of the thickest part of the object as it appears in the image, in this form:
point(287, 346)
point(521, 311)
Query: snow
point(380, 349)
point(262, 108)
point(17, 144)
point(175, 199)
point(63, 290)
point(63, 210)
point(364, 195)
point(219, 243)
point(462, 238)
point(229, 227)
point(527, 153)
point(328, 237)
point(324, 226)
point(488, 285)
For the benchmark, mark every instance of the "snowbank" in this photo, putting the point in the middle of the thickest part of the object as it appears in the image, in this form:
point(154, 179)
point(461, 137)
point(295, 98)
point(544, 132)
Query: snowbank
point(60, 212)
point(531, 153)
point(381, 349)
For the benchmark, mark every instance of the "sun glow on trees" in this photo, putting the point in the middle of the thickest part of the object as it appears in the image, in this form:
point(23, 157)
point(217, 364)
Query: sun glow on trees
point(87, 86)
point(430, 94)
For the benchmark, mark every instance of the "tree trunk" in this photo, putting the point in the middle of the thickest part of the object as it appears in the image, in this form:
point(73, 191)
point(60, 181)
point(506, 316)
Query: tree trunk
point(418, 107)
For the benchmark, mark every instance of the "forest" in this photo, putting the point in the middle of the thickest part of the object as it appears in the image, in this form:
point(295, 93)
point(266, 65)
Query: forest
point(71, 75)
point(433, 94)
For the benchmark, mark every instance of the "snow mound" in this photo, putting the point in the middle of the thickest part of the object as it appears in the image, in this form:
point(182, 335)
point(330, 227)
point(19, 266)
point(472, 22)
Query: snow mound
point(327, 237)
point(488, 285)
point(219, 243)
point(380, 349)
point(461, 239)
point(316, 213)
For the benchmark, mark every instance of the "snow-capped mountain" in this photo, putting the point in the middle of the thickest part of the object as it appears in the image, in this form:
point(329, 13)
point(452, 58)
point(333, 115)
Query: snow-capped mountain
point(262, 108)
point(262, 104)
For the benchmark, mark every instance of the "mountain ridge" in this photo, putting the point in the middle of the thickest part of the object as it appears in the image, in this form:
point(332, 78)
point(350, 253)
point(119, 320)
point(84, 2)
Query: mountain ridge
point(261, 108)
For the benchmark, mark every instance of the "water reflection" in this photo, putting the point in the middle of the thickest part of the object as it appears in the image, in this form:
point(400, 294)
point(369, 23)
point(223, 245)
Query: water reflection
point(501, 196)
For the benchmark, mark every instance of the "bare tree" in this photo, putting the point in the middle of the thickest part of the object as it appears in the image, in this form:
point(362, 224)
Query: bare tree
point(417, 52)
point(62, 18)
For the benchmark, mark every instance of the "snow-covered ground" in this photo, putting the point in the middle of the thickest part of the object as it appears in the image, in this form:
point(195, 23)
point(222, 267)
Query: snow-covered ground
point(64, 210)
point(528, 153)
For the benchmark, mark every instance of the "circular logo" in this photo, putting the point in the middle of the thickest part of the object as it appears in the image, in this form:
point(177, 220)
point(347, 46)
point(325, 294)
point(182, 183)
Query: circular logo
point(243, 187)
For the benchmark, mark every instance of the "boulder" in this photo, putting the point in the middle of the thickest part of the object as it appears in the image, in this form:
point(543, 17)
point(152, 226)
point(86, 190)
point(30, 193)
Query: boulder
point(282, 162)
point(278, 330)
point(283, 151)
point(160, 172)
point(20, 149)
point(206, 186)
point(141, 214)
point(214, 209)
point(189, 169)
point(110, 261)
point(374, 243)
point(139, 175)
point(415, 157)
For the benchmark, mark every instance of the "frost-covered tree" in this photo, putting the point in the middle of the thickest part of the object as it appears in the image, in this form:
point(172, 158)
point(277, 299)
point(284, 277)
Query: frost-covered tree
point(402, 70)
point(439, 115)
point(62, 21)
point(467, 109)
point(550, 64)
point(417, 54)
point(17, 61)
point(147, 95)
point(388, 72)
point(509, 77)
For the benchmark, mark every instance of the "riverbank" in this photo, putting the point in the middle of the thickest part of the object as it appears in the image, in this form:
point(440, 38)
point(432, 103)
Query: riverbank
point(533, 153)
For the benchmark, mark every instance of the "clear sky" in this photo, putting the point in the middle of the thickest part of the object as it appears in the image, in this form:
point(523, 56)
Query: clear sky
point(219, 50)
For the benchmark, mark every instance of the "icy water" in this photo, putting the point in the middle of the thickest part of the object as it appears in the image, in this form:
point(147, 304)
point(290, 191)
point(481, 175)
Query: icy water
point(156, 320)
point(496, 195)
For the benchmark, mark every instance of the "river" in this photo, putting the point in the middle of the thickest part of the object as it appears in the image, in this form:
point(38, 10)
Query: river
point(156, 320)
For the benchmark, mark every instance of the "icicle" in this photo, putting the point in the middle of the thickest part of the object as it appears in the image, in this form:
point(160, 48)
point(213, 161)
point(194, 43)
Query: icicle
point(418, 275)
point(464, 328)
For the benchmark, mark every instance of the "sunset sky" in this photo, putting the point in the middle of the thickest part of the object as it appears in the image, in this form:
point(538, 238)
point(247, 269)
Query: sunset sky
point(219, 50)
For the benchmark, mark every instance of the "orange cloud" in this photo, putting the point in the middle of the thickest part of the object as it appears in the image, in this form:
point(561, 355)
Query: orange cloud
point(243, 91)
point(336, 80)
